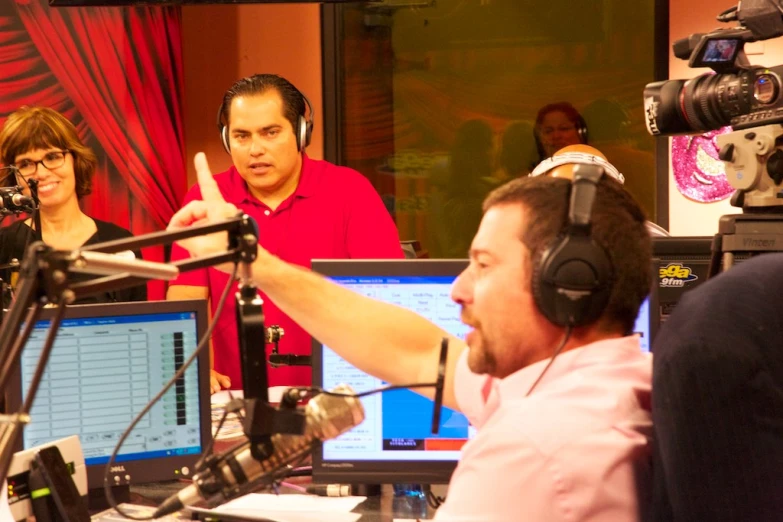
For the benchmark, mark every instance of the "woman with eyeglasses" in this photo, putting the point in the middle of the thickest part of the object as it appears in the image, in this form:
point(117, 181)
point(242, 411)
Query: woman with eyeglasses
point(42, 145)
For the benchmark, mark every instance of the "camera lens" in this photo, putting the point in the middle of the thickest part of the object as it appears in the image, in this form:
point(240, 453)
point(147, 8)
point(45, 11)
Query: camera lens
point(766, 88)
point(662, 108)
point(706, 102)
point(712, 101)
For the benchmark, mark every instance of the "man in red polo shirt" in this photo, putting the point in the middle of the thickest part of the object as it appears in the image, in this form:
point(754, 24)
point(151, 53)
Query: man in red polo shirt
point(306, 209)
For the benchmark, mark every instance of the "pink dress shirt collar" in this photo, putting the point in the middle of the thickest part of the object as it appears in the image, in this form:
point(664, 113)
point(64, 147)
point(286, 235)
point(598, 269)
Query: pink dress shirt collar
point(576, 449)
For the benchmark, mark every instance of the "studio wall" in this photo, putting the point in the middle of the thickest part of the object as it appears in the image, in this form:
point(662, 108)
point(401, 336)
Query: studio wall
point(222, 43)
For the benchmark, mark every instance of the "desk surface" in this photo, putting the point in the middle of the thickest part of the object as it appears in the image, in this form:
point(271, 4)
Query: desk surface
point(377, 508)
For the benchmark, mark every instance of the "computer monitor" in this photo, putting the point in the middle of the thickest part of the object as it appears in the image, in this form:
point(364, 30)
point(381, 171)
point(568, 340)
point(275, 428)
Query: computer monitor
point(107, 362)
point(395, 444)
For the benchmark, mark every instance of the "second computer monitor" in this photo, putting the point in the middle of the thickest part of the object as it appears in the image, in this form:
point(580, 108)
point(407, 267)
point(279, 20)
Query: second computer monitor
point(395, 443)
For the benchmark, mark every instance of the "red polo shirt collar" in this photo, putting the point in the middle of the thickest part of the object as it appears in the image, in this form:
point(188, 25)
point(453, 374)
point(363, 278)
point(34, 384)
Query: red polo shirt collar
point(308, 183)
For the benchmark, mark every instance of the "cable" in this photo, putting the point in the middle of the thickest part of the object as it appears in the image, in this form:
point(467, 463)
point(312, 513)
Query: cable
point(433, 500)
point(567, 336)
point(305, 390)
point(296, 488)
point(208, 450)
point(201, 345)
point(301, 471)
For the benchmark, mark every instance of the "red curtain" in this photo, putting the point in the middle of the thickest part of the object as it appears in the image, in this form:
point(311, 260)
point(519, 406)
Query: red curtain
point(117, 74)
point(24, 76)
point(123, 70)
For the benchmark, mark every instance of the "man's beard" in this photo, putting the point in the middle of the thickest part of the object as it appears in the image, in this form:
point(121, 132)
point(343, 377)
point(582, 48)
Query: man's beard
point(481, 359)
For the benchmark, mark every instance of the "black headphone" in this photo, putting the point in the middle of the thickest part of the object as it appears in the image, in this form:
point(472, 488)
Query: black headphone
point(572, 282)
point(303, 130)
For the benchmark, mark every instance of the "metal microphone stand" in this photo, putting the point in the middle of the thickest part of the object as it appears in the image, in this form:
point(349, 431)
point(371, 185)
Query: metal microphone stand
point(36, 210)
point(261, 420)
point(276, 359)
point(44, 279)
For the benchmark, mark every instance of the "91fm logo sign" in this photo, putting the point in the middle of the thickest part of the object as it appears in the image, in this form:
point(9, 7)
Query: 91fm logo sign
point(675, 275)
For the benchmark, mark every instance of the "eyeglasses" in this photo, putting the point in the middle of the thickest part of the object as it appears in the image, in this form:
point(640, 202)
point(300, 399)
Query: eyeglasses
point(52, 160)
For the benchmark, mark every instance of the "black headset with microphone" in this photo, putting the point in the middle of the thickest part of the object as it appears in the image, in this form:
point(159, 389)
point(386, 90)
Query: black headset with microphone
point(572, 282)
point(303, 130)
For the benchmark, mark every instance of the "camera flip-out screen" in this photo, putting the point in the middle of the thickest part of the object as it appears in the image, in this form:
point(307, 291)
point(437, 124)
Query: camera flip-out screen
point(719, 51)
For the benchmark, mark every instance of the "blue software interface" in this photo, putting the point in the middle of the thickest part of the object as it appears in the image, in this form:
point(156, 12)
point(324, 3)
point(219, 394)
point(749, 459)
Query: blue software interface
point(642, 327)
point(397, 425)
point(102, 372)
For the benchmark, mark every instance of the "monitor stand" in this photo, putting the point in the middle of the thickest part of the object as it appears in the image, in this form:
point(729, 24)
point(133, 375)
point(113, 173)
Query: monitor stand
point(366, 490)
point(96, 497)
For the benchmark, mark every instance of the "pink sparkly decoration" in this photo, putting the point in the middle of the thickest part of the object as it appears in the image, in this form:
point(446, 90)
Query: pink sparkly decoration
point(698, 172)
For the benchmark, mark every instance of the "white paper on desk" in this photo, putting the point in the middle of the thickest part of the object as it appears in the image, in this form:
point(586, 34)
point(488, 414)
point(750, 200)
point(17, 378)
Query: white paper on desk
point(293, 508)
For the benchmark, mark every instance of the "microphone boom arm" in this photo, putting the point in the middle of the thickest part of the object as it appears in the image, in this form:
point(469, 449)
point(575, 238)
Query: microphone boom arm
point(44, 279)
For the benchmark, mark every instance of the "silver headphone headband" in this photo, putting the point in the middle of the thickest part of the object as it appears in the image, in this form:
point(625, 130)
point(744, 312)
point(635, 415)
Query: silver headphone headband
point(583, 158)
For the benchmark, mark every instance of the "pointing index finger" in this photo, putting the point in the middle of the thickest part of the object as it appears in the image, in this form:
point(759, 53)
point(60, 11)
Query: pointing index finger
point(206, 182)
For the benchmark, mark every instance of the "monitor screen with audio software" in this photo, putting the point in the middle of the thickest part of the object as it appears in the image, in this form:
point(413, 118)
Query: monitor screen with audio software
point(395, 443)
point(107, 362)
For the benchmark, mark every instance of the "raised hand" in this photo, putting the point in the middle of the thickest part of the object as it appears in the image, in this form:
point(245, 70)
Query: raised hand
point(212, 208)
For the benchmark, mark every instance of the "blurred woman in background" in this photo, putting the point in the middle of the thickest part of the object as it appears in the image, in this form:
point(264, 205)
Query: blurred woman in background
point(558, 125)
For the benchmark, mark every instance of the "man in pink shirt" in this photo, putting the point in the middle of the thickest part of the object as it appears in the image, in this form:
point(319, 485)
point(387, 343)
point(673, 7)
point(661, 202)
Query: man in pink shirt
point(559, 392)
point(305, 209)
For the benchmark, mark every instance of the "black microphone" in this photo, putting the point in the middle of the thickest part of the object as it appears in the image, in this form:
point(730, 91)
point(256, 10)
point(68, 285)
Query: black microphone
point(12, 200)
point(327, 416)
point(20, 200)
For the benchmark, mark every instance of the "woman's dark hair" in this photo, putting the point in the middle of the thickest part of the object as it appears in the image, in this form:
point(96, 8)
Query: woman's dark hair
point(30, 128)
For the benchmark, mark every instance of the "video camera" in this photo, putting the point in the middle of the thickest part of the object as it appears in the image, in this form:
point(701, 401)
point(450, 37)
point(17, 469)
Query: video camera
point(748, 98)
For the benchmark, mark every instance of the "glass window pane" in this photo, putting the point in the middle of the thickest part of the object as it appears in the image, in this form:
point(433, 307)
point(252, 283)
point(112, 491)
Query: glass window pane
point(439, 100)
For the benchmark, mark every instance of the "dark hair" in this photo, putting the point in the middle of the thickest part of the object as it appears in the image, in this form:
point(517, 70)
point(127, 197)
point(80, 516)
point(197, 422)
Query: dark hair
point(293, 101)
point(566, 108)
point(30, 128)
point(618, 225)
